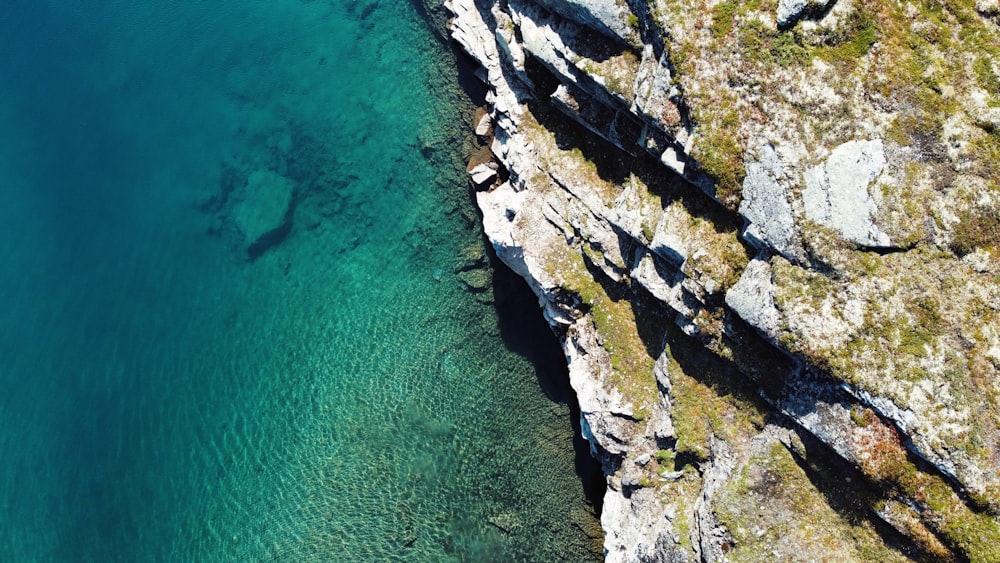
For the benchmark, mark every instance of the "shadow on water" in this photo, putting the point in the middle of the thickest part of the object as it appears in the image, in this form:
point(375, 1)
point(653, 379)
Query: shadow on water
point(525, 332)
point(523, 328)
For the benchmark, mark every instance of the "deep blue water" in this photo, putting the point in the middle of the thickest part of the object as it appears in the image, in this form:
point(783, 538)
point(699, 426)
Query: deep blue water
point(343, 396)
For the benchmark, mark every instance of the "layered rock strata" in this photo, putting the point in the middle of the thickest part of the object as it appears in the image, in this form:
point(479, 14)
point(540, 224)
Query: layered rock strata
point(767, 236)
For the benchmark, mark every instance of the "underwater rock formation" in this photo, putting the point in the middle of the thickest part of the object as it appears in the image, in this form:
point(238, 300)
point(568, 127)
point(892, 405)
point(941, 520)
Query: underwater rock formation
point(768, 238)
point(263, 216)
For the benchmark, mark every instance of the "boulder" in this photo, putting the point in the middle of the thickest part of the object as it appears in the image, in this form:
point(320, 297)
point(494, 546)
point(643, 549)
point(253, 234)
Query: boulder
point(752, 298)
point(477, 280)
point(484, 126)
point(484, 173)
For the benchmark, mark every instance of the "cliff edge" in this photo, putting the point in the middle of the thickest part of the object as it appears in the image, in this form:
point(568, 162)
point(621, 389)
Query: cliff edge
point(767, 234)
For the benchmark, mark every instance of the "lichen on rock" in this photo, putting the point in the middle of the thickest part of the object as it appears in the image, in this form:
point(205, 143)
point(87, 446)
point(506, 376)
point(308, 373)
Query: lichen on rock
point(767, 236)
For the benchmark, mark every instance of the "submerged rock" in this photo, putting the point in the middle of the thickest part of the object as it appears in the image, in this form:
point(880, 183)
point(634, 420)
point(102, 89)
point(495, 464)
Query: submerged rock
point(477, 280)
point(263, 217)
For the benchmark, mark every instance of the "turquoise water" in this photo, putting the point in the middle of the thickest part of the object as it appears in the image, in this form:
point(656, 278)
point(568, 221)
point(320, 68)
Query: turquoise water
point(339, 393)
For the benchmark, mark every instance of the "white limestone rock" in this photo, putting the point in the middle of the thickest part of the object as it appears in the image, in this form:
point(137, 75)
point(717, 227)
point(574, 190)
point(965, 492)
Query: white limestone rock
point(606, 16)
point(483, 173)
point(988, 8)
point(836, 193)
point(640, 527)
point(484, 125)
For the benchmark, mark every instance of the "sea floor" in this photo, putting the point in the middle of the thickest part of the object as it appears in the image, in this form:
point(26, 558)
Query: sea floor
point(345, 390)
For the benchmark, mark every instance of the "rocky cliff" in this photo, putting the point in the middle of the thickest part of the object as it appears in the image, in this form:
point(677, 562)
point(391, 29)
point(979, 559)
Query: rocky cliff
point(767, 234)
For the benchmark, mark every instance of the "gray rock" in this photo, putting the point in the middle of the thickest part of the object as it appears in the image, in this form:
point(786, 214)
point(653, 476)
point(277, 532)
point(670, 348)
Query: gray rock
point(752, 298)
point(662, 425)
point(790, 11)
point(605, 16)
point(989, 9)
point(765, 205)
point(643, 459)
point(672, 475)
point(836, 192)
point(716, 473)
point(630, 480)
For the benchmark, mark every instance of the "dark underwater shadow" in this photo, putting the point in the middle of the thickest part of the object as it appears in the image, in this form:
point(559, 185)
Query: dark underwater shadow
point(525, 332)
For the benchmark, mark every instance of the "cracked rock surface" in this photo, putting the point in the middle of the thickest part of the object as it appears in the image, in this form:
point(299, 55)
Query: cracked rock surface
point(767, 237)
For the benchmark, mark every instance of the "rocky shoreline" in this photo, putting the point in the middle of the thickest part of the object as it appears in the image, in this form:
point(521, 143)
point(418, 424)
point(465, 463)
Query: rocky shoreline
point(777, 353)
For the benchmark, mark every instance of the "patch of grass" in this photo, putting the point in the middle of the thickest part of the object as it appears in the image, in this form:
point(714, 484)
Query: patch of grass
point(761, 44)
point(772, 505)
point(787, 51)
point(616, 323)
point(720, 152)
point(716, 403)
point(665, 458)
point(853, 41)
point(723, 15)
point(633, 22)
point(978, 227)
point(692, 403)
point(986, 76)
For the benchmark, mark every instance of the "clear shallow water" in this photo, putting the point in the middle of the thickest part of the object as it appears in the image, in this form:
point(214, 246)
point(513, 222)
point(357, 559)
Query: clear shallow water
point(343, 396)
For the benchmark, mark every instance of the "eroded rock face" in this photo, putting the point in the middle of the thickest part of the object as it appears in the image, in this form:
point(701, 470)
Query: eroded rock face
point(605, 16)
point(706, 258)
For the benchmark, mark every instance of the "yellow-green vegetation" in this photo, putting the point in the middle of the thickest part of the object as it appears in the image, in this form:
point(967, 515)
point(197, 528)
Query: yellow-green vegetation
point(633, 22)
point(932, 55)
point(684, 493)
point(665, 459)
point(714, 404)
point(618, 72)
point(905, 519)
point(767, 46)
point(774, 512)
point(918, 64)
point(719, 150)
point(615, 322)
point(978, 227)
point(847, 44)
point(718, 253)
point(573, 165)
point(906, 314)
point(919, 311)
point(722, 18)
